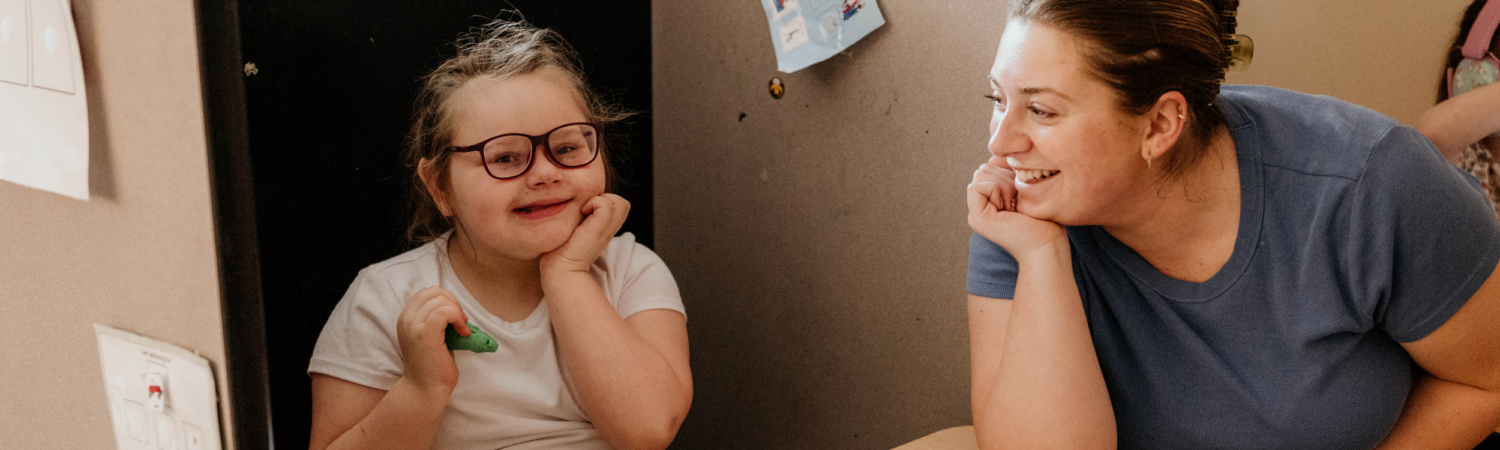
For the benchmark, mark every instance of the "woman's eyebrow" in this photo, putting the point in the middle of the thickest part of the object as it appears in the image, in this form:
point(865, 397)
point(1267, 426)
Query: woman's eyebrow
point(1031, 90)
point(1041, 90)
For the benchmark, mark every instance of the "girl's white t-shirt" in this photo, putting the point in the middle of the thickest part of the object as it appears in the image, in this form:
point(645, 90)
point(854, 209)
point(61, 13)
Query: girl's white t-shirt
point(521, 396)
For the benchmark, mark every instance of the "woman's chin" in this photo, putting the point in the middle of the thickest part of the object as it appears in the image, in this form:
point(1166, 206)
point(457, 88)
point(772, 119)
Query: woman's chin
point(1042, 211)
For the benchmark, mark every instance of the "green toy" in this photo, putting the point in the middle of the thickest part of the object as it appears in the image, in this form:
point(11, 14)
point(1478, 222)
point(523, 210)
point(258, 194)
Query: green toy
point(477, 342)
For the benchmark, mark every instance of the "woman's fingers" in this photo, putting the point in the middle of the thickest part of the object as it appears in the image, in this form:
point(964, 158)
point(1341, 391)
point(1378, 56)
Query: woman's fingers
point(999, 162)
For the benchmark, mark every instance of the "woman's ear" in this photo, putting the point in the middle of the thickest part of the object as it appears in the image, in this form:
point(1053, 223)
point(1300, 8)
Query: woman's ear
point(1166, 122)
point(428, 171)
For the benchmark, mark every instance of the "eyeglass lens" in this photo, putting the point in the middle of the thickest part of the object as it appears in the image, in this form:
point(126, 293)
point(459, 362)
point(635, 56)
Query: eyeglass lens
point(570, 146)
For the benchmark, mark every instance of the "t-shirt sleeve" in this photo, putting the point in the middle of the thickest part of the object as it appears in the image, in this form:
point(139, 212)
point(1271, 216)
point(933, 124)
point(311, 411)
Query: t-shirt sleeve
point(646, 283)
point(1424, 234)
point(992, 271)
point(359, 343)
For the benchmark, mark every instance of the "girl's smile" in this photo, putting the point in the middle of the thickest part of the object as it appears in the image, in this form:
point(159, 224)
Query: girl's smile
point(542, 209)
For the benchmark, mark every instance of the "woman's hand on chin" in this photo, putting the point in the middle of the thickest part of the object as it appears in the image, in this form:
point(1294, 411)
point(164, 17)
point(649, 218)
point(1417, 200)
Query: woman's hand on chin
point(993, 214)
point(603, 216)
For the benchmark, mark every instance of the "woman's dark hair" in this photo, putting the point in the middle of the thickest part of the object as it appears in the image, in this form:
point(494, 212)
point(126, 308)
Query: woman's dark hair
point(499, 50)
point(1147, 48)
point(1456, 52)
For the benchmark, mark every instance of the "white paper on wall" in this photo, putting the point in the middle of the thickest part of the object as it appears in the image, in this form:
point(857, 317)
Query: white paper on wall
point(44, 123)
point(161, 396)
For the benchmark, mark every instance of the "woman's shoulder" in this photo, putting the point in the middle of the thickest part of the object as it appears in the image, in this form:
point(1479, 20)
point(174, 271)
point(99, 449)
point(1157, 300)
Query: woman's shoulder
point(1307, 133)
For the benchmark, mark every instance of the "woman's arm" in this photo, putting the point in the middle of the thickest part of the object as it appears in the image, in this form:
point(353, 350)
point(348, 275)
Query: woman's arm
point(1048, 390)
point(632, 374)
point(988, 319)
point(1456, 403)
point(1459, 121)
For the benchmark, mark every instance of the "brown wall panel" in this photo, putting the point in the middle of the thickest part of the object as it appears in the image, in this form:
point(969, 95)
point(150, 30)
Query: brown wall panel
point(139, 256)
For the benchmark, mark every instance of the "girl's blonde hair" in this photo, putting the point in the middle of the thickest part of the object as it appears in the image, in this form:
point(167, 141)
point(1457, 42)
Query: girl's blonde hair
point(499, 50)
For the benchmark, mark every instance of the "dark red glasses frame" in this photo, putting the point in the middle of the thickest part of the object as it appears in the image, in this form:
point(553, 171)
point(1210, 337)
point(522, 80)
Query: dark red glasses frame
point(536, 141)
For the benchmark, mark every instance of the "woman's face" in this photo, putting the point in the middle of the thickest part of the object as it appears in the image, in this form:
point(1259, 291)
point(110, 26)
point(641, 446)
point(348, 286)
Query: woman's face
point(1077, 157)
point(536, 212)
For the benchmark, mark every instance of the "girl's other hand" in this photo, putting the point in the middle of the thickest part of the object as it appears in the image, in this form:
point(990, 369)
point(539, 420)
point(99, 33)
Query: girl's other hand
point(603, 217)
point(993, 214)
point(425, 357)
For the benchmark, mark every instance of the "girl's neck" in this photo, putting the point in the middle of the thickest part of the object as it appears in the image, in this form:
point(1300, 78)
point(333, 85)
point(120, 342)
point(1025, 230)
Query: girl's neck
point(1187, 228)
point(508, 287)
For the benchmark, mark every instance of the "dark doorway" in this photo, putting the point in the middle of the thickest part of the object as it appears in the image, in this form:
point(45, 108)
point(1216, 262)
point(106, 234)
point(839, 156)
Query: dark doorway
point(329, 102)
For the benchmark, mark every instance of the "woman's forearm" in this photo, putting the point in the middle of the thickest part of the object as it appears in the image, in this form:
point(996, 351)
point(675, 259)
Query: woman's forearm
point(1442, 414)
point(1049, 391)
point(630, 391)
point(406, 418)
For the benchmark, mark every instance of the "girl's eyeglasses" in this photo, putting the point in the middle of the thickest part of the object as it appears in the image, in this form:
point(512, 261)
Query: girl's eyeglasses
point(510, 155)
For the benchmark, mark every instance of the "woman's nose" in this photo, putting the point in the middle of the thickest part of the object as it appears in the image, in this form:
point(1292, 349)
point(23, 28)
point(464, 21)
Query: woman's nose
point(1004, 137)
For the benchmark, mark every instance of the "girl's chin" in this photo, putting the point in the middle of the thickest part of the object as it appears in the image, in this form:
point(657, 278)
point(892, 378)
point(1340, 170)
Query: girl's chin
point(549, 239)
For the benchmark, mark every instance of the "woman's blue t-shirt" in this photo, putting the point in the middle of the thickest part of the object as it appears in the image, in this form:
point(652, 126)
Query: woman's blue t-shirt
point(1355, 235)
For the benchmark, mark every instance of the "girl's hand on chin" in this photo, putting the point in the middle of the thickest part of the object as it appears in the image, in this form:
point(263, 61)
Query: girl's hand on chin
point(993, 214)
point(603, 216)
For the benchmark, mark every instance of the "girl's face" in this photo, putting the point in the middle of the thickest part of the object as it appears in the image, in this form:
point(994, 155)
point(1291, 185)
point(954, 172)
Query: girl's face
point(535, 213)
point(1076, 156)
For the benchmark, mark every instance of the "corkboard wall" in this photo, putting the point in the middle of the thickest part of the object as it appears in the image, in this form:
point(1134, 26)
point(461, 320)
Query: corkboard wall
point(139, 256)
point(819, 240)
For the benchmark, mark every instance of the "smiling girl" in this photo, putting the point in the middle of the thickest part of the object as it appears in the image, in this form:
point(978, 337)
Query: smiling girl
point(511, 171)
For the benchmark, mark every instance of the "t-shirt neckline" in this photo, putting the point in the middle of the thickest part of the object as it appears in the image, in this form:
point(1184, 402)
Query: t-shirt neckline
point(1242, 129)
point(476, 311)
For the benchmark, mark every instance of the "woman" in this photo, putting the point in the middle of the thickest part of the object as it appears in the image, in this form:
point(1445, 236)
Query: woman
point(1162, 263)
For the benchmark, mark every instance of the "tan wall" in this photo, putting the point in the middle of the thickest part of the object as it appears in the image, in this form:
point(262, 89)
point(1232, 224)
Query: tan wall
point(820, 242)
point(1386, 54)
point(138, 256)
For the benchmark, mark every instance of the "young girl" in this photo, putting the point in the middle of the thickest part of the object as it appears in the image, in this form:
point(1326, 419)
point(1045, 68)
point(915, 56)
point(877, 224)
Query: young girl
point(1464, 126)
point(511, 174)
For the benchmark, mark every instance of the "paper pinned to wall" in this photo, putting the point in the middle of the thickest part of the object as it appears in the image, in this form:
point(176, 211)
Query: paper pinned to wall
point(808, 31)
point(44, 122)
point(161, 396)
